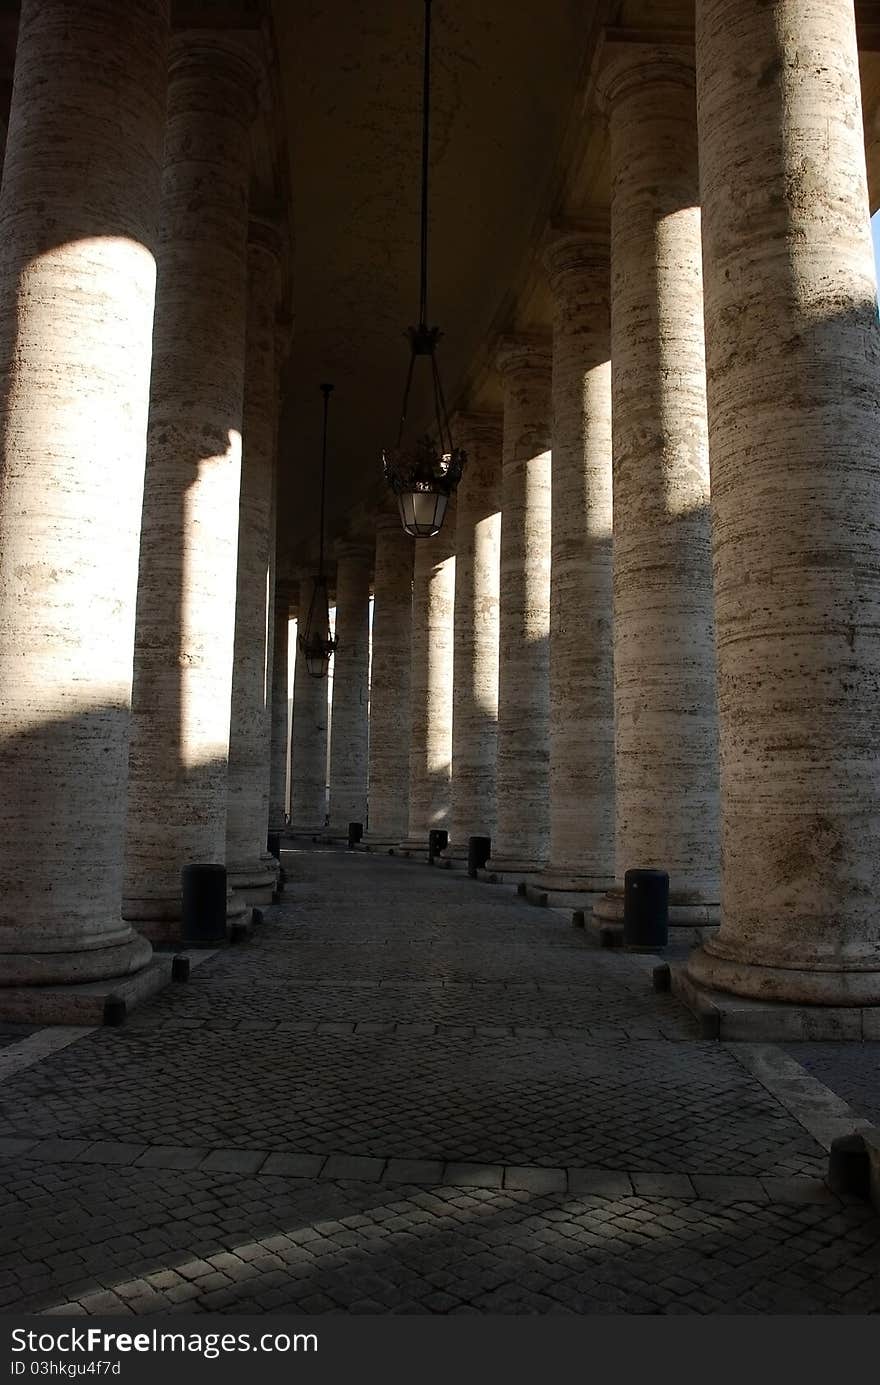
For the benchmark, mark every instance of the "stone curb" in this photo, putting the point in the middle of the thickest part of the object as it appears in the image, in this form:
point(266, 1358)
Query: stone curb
point(639, 1031)
point(536, 1179)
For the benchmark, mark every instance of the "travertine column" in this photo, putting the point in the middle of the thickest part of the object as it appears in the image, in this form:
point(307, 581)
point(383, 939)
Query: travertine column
point(279, 752)
point(520, 844)
point(666, 741)
point(189, 547)
point(430, 747)
point(251, 870)
point(389, 683)
point(581, 672)
point(794, 411)
point(475, 681)
point(350, 710)
point(308, 736)
point(78, 230)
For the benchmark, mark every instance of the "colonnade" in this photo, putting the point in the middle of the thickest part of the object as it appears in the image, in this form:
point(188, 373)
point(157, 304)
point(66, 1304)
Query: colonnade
point(648, 633)
point(653, 619)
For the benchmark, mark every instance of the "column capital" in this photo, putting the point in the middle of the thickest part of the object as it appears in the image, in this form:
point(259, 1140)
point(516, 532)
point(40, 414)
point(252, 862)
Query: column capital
point(353, 550)
point(523, 354)
point(575, 250)
point(268, 233)
point(484, 429)
point(390, 519)
point(628, 64)
point(208, 53)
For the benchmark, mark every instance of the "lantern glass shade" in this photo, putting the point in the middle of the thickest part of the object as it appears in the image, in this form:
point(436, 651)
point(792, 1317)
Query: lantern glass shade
point(315, 642)
point(422, 512)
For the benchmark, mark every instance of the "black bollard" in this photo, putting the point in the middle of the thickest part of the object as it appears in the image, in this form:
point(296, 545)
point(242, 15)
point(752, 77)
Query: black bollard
point(479, 851)
point(180, 968)
point(273, 845)
point(355, 832)
point(849, 1166)
point(645, 908)
point(438, 840)
point(204, 904)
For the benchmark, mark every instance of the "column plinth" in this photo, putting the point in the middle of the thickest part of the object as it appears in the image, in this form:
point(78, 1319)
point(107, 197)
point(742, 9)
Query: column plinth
point(475, 660)
point(521, 841)
point(349, 727)
point(581, 852)
point(79, 216)
point(189, 547)
point(793, 346)
point(666, 789)
point(251, 870)
point(430, 753)
point(389, 684)
point(308, 736)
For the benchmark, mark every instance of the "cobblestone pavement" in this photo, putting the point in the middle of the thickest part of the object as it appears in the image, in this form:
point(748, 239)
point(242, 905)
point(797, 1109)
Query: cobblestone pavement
point(414, 1093)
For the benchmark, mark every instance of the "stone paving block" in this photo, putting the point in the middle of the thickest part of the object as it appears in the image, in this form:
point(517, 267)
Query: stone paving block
point(721, 1188)
point(353, 1166)
point(663, 1185)
point(413, 1171)
point(11, 1145)
point(59, 1149)
point(535, 1180)
point(294, 1165)
point(797, 1190)
point(599, 1183)
point(170, 1157)
point(111, 1152)
point(473, 1175)
point(244, 1161)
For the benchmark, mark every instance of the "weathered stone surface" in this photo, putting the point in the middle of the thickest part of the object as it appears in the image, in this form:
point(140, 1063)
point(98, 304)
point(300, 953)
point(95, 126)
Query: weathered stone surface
point(581, 779)
point(521, 838)
point(431, 668)
point(308, 744)
point(389, 683)
point(79, 213)
point(349, 726)
point(250, 869)
point(280, 741)
point(475, 637)
point(794, 366)
point(666, 741)
point(187, 583)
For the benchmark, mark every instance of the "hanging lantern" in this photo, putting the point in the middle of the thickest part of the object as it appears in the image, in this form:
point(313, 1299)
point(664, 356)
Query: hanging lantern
point(424, 475)
point(316, 642)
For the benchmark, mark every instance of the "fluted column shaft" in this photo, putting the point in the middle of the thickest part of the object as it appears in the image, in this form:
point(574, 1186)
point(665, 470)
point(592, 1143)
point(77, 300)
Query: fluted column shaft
point(350, 711)
point(308, 735)
point(189, 546)
point(521, 839)
point(664, 668)
point(794, 412)
point(279, 744)
point(430, 754)
point(78, 231)
point(475, 661)
point(389, 683)
point(250, 868)
point(581, 667)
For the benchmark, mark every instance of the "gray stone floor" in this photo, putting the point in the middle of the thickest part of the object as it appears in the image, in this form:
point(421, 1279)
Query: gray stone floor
point(414, 1093)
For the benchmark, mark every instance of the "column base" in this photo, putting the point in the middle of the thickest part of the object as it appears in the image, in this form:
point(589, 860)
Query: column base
point(75, 967)
point(559, 889)
point(379, 843)
point(858, 985)
point(160, 921)
point(513, 870)
point(683, 912)
point(415, 846)
point(255, 882)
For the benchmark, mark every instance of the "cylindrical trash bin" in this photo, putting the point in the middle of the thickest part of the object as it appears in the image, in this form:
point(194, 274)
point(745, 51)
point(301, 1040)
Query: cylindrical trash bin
point(438, 840)
point(203, 918)
point(479, 851)
point(273, 845)
point(645, 908)
point(355, 832)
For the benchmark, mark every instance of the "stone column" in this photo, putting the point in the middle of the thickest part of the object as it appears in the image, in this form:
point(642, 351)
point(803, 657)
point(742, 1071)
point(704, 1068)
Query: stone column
point(794, 412)
point(308, 743)
point(520, 845)
point(279, 751)
point(389, 684)
point(430, 753)
point(187, 585)
point(251, 870)
point(78, 230)
point(351, 686)
point(475, 658)
point(581, 669)
point(666, 743)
